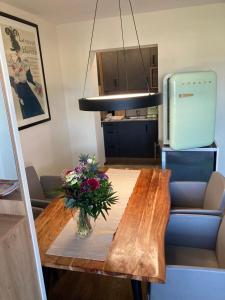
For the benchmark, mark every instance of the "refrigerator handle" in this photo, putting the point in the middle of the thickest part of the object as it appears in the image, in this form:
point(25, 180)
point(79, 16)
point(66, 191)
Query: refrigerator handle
point(165, 109)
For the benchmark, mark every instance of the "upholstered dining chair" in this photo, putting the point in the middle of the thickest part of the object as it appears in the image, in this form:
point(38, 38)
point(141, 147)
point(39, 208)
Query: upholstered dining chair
point(41, 191)
point(199, 197)
point(195, 257)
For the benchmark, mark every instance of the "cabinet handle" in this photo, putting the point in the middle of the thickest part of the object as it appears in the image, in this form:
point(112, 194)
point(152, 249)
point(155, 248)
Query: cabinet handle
point(115, 83)
point(146, 128)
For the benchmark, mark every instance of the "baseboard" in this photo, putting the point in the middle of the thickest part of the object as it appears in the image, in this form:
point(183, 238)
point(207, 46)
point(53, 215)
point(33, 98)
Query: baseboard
point(132, 161)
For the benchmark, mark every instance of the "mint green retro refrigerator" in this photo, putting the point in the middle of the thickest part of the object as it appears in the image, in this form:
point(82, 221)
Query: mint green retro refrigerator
point(189, 109)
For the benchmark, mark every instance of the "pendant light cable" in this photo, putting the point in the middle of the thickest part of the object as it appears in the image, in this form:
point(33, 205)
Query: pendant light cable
point(124, 50)
point(139, 46)
point(89, 54)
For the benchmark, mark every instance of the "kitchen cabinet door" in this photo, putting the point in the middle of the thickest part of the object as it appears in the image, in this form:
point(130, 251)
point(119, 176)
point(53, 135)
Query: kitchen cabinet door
point(123, 71)
point(138, 138)
point(152, 138)
point(110, 72)
point(111, 139)
point(136, 76)
point(133, 139)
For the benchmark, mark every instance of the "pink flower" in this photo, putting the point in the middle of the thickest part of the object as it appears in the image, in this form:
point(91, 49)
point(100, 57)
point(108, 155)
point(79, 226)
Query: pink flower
point(65, 172)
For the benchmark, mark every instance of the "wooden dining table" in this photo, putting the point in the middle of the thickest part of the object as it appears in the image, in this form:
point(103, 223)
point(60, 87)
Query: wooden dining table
point(137, 249)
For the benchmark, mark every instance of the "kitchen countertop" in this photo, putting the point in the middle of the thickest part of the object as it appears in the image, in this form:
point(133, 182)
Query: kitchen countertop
point(129, 120)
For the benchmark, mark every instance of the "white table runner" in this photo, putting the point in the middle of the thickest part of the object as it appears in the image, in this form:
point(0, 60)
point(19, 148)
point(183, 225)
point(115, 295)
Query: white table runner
point(96, 245)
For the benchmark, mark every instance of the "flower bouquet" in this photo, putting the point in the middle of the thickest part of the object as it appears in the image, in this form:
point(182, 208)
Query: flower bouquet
point(89, 190)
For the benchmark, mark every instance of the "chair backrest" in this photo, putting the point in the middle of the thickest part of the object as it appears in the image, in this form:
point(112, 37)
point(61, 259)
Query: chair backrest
point(35, 189)
point(215, 192)
point(187, 193)
point(220, 245)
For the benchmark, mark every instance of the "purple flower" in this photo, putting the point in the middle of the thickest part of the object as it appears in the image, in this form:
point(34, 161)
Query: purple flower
point(103, 176)
point(79, 169)
point(84, 187)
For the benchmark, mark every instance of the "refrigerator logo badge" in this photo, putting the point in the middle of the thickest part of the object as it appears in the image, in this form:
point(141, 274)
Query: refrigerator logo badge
point(186, 95)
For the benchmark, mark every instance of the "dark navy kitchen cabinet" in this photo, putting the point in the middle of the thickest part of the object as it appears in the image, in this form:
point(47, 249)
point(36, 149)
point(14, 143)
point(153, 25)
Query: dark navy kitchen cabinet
point(136, 139)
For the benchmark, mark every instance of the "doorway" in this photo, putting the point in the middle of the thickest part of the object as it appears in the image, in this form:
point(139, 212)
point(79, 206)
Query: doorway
point(131, 135)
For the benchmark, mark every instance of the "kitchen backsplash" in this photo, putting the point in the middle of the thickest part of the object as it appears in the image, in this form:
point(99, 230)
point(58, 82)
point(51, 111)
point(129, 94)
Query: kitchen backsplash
point(136, 112)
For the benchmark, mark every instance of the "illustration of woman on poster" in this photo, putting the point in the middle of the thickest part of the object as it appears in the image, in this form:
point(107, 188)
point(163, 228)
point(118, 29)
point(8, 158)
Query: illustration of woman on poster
point(21, 79)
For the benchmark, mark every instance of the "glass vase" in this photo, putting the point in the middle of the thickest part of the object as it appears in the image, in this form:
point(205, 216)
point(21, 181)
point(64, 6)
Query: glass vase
point(84, 227)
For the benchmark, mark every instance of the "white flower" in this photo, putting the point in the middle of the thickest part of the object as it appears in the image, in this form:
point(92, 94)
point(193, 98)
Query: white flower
point(74, 181)
point(70, 176)
point(89, 161)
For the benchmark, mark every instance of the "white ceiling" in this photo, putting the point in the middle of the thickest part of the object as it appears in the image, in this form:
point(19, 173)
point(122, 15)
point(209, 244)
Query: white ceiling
point(65, 11)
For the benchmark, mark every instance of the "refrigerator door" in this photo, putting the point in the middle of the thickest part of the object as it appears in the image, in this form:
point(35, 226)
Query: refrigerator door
point(192, 109)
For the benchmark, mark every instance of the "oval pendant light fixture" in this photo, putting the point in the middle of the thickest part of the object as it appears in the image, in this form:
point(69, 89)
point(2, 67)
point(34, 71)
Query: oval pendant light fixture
point(120, 101)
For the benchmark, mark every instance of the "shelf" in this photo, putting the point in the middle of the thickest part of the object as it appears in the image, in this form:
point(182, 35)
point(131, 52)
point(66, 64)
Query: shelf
point(7, 223)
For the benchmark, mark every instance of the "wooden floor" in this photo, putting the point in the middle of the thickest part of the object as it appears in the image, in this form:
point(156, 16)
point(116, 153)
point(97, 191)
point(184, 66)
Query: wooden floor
point(83, 286)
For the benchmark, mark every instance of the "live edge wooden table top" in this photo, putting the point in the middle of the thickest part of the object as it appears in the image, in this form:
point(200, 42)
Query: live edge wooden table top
point(137, 249)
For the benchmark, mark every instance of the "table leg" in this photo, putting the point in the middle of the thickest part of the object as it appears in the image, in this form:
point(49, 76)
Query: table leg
point(149, 291)
point(136, 289)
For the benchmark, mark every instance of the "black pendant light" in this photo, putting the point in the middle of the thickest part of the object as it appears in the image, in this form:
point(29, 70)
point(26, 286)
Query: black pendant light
point(120, 101)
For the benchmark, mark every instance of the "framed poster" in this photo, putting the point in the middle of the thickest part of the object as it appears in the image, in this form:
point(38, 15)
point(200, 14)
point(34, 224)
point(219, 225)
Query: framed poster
point(23, 55)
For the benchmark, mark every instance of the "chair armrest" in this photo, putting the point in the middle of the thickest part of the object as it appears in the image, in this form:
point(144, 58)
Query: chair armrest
point(190, 283)
point(40, 203)
point(197, 211)
point(187, 193)
point(50, 184)
point(198, 231)
point(37, 211)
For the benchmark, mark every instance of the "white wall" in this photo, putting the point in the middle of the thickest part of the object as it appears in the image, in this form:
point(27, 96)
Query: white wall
point(47, 146)
point(188, 39)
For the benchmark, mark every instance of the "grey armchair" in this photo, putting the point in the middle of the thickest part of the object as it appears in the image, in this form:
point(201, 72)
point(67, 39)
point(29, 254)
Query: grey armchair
point(199, 197)
point(195, 257)
point(41, 190)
